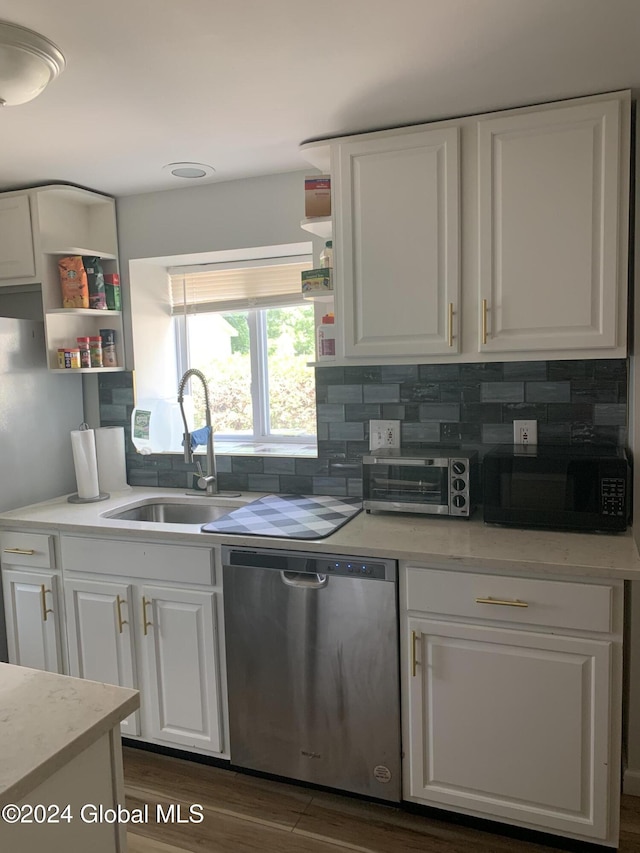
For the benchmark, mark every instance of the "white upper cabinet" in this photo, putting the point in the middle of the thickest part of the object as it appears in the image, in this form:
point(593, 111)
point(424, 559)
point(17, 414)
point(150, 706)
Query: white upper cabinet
point(489, 237)
point(38, 226)
point(397, 217)
point(549, 219)
point(16, 241)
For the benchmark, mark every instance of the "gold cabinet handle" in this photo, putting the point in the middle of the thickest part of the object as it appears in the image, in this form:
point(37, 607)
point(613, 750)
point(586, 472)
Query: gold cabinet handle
point(414, 661)
point(119, 602)
point(512, 603)
point(43, 601)
point(484, 321)
point(26, 552)
point(145, 625)
point(450, 325)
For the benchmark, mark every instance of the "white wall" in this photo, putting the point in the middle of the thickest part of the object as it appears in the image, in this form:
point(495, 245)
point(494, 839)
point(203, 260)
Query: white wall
point(184, 226)
point(253, 212)
point(150, 317)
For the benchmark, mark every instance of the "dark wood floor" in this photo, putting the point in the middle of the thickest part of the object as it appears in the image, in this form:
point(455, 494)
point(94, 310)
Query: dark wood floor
point(244, 814)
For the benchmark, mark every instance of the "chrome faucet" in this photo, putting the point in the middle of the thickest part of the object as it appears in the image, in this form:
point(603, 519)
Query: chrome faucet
point(210, 479)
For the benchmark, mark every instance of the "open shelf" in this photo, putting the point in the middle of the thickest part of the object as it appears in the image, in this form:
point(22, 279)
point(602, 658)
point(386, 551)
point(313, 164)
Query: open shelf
point(86, 312)
point(321, 226)
point(74, 370)
point(318, 297)
point(77, 250)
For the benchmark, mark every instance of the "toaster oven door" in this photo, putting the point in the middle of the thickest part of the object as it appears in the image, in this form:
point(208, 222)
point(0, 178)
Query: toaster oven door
point(423, 487)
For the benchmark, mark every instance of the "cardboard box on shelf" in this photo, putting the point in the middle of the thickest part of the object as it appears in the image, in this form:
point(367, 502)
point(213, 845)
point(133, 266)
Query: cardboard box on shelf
point(317, 195)
point(315, 282)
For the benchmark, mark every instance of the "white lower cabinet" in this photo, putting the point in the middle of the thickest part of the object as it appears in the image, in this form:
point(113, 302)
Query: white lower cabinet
point(32, 606)
point(32, 618)
point(150, 632)
point(515, 721)
point(180, 647)
point(100, 636)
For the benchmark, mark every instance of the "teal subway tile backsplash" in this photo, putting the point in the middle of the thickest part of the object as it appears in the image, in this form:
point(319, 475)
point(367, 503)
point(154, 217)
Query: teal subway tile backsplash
point(452, 405)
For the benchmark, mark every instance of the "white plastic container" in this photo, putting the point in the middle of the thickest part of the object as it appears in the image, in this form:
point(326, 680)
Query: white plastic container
point(326, 339)
point(156, 425)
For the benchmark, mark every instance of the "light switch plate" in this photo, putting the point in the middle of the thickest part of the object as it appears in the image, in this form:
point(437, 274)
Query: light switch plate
point(384, 434)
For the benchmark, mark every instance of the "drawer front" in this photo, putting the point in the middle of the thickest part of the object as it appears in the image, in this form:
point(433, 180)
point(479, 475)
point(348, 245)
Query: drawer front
point(575, 606)
point(34, 550)
point(178, 563)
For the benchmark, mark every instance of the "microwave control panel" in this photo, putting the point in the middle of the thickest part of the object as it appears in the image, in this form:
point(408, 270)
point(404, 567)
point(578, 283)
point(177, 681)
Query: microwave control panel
point(612, 495)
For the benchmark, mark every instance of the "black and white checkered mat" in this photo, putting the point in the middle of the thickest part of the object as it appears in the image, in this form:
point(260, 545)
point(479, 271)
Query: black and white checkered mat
point(288, 516)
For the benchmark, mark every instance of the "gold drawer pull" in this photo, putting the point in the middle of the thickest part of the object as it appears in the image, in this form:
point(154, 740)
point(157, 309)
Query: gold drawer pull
point(146, 625)
point(43, 599)
point(119, 602)
point(414, 662)
point(513, 603)
point(26, 552)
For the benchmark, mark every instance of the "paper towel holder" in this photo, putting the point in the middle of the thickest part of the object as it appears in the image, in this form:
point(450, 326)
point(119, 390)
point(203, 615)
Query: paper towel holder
point(75, 499)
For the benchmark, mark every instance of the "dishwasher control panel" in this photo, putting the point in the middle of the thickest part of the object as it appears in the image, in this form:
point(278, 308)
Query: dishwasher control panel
point(361, 568)
point(320, 564)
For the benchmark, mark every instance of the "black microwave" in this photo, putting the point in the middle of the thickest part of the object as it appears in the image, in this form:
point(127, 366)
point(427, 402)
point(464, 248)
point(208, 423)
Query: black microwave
point(566, 488)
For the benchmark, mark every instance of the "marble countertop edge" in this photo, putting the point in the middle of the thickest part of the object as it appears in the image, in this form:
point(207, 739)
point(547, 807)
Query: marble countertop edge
point(439, 542)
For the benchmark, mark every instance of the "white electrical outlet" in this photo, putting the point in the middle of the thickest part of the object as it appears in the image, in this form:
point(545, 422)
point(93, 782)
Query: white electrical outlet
point(525, 432)
point(384, 434)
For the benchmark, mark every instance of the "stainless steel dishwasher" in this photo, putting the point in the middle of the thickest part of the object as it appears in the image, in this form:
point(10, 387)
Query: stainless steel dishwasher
point(312, 668)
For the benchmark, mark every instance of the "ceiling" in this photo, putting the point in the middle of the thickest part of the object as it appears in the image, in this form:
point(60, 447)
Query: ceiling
point(238, 84)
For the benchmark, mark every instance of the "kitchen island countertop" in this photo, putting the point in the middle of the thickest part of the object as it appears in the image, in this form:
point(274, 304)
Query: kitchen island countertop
point(48, 720)
point(434, 541)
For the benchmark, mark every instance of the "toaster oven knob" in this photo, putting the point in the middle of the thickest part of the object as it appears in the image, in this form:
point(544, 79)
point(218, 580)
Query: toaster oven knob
point(459, 484)
point(458, 467)
point(459, 501)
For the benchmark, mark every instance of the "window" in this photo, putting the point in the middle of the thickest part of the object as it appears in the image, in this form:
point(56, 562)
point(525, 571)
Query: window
point(247, 328)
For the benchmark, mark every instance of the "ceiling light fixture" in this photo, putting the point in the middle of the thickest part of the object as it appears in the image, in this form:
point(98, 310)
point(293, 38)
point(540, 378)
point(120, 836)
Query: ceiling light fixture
point(189, 170)
point(28, 62)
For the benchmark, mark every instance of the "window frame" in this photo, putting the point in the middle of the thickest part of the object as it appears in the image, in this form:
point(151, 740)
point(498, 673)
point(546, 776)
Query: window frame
point(258, 355)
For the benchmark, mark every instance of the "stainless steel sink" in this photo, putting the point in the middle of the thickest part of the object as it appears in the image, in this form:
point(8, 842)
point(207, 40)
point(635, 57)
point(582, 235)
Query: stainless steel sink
point(174, 511)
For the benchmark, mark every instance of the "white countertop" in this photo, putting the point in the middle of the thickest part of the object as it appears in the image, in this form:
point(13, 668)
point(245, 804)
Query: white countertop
point(438, 542)
point(46, 720)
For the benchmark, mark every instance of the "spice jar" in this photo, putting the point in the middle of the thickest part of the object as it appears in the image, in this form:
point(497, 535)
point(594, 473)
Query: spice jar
point(109, 358)
point(72, 357)
point(95, 350)
point(85, 353)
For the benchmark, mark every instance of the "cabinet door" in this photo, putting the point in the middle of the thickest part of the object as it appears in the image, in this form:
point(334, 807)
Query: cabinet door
point(16, 241)
point(397, 244)
point(181, 650)
point(32, 619)
point(549, 207)
point(100, 635)
point(510, 724)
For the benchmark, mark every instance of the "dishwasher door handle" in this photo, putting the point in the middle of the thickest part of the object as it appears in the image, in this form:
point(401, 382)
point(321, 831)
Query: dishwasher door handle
point(304, 580)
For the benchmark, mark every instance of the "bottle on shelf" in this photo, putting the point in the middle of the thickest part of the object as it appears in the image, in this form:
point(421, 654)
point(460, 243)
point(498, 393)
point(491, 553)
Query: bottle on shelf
point(85, 352)
point(326, 256)
point(326, 335)
point(109, 358)
point(95, 345)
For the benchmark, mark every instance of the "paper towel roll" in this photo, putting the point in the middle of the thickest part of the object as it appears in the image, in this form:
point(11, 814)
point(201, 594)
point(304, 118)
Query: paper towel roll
point(112, 467)
point(83, 447)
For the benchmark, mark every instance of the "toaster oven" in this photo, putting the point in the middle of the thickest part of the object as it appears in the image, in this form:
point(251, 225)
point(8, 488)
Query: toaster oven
point(430, 481)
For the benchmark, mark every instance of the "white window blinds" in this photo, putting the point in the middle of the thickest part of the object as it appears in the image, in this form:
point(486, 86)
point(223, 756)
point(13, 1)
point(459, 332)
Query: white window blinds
point(264, 283)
